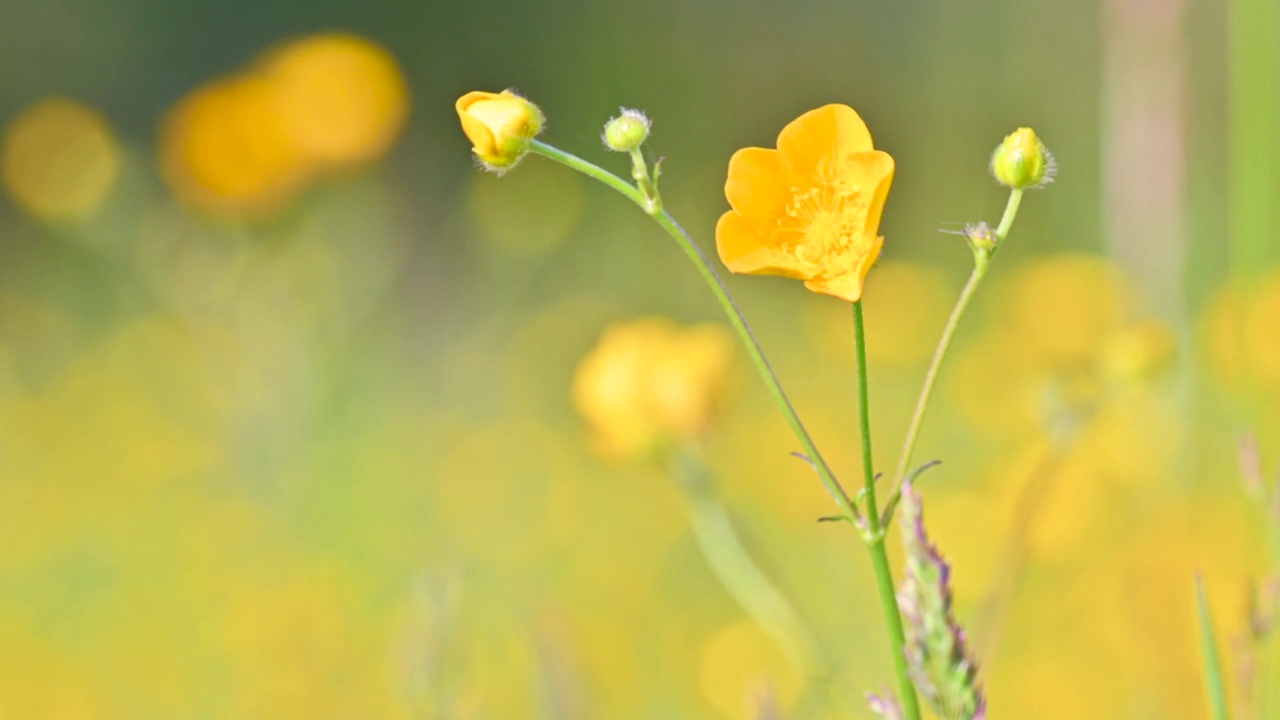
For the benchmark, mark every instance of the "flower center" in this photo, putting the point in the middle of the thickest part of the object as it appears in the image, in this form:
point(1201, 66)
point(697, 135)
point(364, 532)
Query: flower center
point(824, 226)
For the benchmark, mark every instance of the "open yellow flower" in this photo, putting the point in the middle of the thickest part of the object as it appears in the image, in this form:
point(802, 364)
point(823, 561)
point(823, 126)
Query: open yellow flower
point(810, 209)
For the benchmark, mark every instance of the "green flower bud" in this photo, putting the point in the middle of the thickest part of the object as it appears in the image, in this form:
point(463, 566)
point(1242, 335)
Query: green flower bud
point(1022, 161)
point(626, 132)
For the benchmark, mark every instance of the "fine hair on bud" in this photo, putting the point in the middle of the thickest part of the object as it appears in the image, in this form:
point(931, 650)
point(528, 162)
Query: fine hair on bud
point(1022, 162)
point(627, 131)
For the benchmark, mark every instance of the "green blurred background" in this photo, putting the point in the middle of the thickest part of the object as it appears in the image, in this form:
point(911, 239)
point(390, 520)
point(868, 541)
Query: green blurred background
point(285, 415)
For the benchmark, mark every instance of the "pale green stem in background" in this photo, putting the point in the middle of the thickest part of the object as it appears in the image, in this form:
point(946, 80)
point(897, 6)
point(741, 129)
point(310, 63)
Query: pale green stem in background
point(737, 570)
point(982, 261)
point(1253, 143)
point(1210, 664)
point(736, 318)
point(1253, 182)
point(875, 533)
point(848, 510)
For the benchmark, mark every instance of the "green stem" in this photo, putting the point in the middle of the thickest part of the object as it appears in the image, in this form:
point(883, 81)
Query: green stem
point(1253, 144)
point(736, 318)
point(864, 420)
point(1210, 664)
point(875, 533)
point(733, 565)
point(880, 560)
point(982, 261)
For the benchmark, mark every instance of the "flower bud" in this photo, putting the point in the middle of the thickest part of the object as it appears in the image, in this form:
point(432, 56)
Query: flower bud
point(626, 132)
point(499, 125)
point(981, 236)
point(1022, 161)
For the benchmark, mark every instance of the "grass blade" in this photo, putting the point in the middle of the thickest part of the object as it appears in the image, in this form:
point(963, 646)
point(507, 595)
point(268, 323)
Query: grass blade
point(1209, 657)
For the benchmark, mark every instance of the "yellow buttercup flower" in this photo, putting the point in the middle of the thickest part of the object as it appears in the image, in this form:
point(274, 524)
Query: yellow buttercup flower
point(499, 126)
point(649, 381)
point(811, 208)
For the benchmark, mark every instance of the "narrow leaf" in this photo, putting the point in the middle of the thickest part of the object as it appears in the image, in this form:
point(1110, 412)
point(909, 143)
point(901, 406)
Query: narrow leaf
point(1209, 657)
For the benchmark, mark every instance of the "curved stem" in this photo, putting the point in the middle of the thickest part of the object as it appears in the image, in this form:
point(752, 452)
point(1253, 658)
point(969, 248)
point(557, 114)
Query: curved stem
point(875, 533)
point(931, 376)
point(737, 570)
point(848, 509)
point(982, 261)
point(736, 318)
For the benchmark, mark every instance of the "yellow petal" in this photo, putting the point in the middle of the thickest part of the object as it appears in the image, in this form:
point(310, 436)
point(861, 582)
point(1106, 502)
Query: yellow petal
point(826, 135)
point(872, 171)
point(477, 132)
point(743, 250)
point(757, 187)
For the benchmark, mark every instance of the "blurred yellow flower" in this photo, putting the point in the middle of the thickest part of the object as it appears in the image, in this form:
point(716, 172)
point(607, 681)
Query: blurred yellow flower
point(226, 149)
point(810, 209)
point(742, 667)
point(1062, 307)
point(60, 159)
point(1137, 353)
point(343, 99)
point(649, 380)
point(248, 144)
point(499, 126)
point(1238, 337)
point(908, 307)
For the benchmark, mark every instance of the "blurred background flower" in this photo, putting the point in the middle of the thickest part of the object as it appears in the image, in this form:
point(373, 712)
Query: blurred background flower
point(292, 422)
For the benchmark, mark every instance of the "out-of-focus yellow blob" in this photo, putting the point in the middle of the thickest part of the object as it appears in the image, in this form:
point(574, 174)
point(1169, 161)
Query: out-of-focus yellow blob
point(650, 381)
point(742, 667)
point(1137, 439)
point(527, 213)
point(1046, 689)
point(342, 98)
point(1062, 307)
point(60, 159)
point(1221, 335)
point(971, 547)
point(1072, 498)
point(226, 148)
point(1138, 353)
point(906, 307)
point(1262, 333)
point(993, 367)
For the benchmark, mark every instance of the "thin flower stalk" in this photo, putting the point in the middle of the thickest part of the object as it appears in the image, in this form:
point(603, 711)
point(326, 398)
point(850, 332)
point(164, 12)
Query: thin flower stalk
point(731, 309)
point(982, 262)
point(848, 509)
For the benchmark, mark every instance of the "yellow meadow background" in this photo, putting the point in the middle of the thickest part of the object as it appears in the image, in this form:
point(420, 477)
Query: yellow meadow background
point(292, 421)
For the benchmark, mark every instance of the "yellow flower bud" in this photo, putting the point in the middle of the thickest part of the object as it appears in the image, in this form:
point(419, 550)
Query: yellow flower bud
point(626, 132)
point(1022, 161)
point(499, 125)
